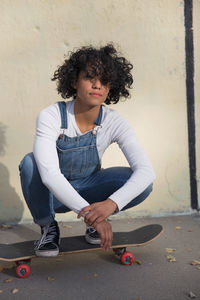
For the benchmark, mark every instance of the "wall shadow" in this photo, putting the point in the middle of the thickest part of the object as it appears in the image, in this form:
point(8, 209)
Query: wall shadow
point(11, 206)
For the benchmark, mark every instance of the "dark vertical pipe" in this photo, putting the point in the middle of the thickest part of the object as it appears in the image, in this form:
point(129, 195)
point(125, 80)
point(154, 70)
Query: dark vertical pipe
point(189, 53)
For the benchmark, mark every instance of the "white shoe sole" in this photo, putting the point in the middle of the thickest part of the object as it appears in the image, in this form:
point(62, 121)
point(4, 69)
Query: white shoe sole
point(89, 240)
point(46, 253)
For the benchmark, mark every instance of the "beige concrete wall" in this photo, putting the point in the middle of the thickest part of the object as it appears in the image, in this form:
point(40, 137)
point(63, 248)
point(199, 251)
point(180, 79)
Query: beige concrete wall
point(35, 35)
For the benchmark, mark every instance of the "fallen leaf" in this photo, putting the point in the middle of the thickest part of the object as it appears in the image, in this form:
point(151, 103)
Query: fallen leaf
point(192, 295)
point(190, 230)
point(3, 226)
point(171, 258)
point(138, 262)
point(9, 280)
point(170, 250)
point(67, 226)
point(188, 250)
point(195, 262)
point(51, 278)
point(15, 291)
point(178, 227)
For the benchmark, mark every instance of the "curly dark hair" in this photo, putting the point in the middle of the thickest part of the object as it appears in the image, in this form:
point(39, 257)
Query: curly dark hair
point(104, 63)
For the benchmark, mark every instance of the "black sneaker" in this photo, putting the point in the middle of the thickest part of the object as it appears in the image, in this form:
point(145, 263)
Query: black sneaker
point(92, 236)
point(48, 245)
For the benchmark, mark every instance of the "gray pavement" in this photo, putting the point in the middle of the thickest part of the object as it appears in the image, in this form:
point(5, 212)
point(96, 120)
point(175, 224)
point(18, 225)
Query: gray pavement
point(100, 275)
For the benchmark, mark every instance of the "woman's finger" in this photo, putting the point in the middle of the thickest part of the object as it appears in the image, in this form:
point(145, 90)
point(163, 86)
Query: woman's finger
point(83, 211)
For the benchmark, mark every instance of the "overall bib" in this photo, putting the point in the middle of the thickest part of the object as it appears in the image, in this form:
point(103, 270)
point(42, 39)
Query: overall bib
point(78, 156)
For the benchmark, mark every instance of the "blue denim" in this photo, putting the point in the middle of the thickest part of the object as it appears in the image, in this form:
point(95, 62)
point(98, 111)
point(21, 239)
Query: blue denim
point(78, 156)
point(79, 163)
point(94, 188)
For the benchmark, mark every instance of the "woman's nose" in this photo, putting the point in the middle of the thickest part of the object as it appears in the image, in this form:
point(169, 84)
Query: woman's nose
point(96, 83)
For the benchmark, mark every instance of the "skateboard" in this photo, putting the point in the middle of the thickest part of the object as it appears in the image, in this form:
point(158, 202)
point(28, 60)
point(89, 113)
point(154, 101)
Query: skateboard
point(22, 253)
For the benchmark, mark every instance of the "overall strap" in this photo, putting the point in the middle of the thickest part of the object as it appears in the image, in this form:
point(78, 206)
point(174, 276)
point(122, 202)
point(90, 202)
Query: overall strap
point(98, 119)
point(63, 114)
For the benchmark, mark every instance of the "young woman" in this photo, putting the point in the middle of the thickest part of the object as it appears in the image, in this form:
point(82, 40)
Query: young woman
point(64, 171)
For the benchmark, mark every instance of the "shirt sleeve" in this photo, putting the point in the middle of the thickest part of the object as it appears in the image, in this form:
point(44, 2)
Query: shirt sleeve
point(45, 153)
point(143, 173)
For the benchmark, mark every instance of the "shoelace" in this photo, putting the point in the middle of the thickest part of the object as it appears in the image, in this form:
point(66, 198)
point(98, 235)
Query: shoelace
point(50, 230)
point(91, 230)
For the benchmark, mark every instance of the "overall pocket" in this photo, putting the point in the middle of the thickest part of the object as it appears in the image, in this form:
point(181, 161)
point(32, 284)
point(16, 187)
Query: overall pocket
point(78, 162)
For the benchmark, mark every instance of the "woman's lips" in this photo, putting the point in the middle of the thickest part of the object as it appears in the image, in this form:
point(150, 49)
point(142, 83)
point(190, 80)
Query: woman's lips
point(95, 94)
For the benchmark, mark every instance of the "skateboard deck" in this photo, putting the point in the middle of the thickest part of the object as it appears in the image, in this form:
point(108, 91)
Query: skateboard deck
point(23, 251)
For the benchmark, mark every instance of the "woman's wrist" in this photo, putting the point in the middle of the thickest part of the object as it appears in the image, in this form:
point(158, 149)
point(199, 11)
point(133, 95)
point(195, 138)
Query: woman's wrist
point(113, 204)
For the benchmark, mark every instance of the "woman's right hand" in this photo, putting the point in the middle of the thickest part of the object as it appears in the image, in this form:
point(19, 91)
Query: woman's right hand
point(104, 230)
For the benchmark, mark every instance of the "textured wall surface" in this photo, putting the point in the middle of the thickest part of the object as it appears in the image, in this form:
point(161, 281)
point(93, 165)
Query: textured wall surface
point(35, 35)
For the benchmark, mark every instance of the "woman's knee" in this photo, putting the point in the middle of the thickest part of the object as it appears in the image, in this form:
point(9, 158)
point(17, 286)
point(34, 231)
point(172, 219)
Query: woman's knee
point(149, 189)
point(145, 193)
point(27, 164)
point(140, 198)
point(121, 174)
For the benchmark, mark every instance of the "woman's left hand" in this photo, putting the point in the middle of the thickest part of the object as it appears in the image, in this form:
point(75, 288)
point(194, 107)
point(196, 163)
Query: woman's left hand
point(97, 212)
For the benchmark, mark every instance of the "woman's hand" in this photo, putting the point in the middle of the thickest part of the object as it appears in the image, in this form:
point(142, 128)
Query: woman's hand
point(97, 212)
point(104, 230)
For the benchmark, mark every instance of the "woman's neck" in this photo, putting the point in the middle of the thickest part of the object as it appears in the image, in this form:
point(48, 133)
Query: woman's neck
point(85, 116)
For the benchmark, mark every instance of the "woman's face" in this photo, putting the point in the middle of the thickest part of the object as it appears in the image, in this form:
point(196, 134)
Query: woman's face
point(90, 92)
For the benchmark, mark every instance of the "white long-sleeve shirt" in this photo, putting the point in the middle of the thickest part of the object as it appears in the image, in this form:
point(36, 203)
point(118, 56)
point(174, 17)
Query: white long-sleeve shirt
point(113, 128)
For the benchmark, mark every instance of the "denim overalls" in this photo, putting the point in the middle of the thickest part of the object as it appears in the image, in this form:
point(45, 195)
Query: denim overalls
point(78, 156)
point(79, 162)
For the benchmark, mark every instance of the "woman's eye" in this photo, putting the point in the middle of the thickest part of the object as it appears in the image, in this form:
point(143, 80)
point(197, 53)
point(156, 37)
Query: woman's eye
point(87, 76)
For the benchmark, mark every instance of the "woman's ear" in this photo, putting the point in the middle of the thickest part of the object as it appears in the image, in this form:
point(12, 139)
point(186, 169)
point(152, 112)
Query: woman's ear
point(74, 85)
